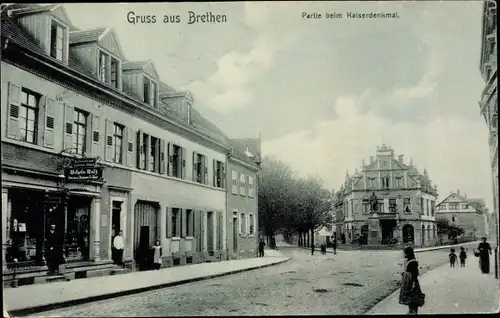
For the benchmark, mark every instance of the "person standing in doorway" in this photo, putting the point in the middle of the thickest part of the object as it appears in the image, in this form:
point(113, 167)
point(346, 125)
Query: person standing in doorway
point(119, 245)
point(484, 256)
point(53, 250)
point(113, 249)
point(261, 248)
point(157, 253)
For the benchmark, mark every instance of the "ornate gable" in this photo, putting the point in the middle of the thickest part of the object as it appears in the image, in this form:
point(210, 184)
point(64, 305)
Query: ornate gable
point(109, 40)
point(151, 70)
point(397, 165)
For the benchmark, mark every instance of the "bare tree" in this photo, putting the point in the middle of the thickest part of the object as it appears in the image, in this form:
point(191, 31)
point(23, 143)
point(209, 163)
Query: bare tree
point(274, 194)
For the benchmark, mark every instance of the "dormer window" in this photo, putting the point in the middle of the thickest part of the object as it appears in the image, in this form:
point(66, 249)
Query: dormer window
point(57, 40)
point(108, 69)
point(147, 90)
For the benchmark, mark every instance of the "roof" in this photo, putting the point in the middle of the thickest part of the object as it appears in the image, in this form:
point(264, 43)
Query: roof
point(239, 154)
point(254, 145)
point(134, 65)
point(84, 36)
point(22, 9)
point(17, 34)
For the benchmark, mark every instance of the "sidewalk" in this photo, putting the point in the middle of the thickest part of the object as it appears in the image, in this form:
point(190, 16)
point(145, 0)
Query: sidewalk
point(459, 290)
point(36, 298)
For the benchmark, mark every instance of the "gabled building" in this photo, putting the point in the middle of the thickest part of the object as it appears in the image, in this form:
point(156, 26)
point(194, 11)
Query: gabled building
point(69, 93)
point(388, 199)
point(469, 214)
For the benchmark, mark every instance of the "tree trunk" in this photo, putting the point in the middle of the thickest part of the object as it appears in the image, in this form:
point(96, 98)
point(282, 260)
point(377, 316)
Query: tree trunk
point(299, 241)
point(308, 239)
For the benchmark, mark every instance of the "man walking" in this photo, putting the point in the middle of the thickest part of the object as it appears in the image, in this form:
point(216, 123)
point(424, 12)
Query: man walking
point(261, 248)
point(118, 244)
point(334, 244)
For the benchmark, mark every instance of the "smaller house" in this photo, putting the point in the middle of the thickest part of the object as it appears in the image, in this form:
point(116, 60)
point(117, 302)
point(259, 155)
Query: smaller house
point(468, 214)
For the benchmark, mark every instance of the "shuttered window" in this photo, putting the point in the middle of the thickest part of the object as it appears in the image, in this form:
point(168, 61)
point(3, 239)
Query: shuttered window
point(28, 115)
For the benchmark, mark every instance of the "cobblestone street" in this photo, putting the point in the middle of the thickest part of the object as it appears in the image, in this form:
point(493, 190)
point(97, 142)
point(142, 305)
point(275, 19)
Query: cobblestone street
point(350, 282)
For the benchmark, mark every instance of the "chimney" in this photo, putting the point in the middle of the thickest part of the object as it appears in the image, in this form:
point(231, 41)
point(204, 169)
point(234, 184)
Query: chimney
point(371, 159)
point(458, 192)
point(401, 158)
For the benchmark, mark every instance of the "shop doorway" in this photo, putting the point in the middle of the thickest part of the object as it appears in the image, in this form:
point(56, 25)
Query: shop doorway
point(145, 230)
point(210, 232)
point(116, 217)
point(387, 227)
point(235, 235)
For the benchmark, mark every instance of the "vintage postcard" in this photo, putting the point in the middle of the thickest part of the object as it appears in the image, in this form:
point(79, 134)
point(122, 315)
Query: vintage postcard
point(249, 158)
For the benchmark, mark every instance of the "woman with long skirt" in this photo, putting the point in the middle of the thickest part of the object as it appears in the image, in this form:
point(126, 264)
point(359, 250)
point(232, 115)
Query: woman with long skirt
point(410, 293)
point(484, 256)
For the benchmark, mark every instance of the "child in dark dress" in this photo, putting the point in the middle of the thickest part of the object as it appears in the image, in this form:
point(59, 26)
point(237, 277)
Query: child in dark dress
point(453, 257)
point(463, 256)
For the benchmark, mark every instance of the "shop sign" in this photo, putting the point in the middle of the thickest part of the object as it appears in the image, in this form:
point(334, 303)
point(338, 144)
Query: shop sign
point(84, 162)
point(81, 174)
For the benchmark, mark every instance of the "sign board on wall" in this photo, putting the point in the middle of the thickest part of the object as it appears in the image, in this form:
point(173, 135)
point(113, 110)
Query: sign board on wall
point(80, 174)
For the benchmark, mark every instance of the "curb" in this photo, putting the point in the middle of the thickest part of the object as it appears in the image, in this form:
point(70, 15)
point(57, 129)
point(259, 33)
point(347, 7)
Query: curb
point(424, 249)
point(68, 303)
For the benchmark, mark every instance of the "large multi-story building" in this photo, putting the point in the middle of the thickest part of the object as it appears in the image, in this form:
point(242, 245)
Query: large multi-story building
point(469, 214)
point(489, 98)
point(69, 94)
point(387, 200)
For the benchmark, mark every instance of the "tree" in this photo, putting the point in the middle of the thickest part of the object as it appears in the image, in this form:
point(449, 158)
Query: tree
point(274, 194)
point(444, 227)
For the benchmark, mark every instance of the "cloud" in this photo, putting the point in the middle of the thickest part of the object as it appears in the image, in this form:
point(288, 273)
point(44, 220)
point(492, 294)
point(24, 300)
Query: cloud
point(230, 88)
point(445, 146)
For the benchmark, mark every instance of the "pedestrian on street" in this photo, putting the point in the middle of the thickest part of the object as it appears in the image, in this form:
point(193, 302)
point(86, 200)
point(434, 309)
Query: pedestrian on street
point(119, 245)
point(484, 256)
point(157, 253)
point(463, 256)
point(453, 257)
point(312, 249)
point(334, 243)
point(261, 247)
point(410, 293)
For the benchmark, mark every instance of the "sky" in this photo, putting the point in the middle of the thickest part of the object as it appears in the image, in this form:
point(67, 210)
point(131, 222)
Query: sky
point(324, 93)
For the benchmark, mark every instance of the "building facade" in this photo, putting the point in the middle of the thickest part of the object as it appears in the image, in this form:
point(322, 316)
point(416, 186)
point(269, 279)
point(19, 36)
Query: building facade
point(242, 202)
point(388, 200)
point(70, 93)
point(488, 102)
point(468, 214)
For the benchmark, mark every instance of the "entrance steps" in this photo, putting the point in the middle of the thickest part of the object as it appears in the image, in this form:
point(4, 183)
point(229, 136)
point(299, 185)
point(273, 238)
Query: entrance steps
point(55, 278)
point(118, 270)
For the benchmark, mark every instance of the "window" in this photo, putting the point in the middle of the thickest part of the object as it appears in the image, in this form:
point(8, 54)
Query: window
point(153, 157)
point(103, 66)
point(79, 130)
point(366, 206)
point(234, 177)
point(407, 205)
point(393, 206)
point(114, 73)
point(153, 100)
point(218, 174)
point(28, 116)
point(385, 182)
point(176, 161)
point(118, 143)
point(145, 147)
point(147, 92)
point(452, 219)
point(242, 184)
point(175, 218)
point(252, 224)
point(453, 206)
point(250, 187)
point(243, 223)
point(371, 182)
point(56, 41)
point(428, 207)
point(200, 172)
point(433, 208)
point(399, 182)
point(381, 207)
point(189, 223)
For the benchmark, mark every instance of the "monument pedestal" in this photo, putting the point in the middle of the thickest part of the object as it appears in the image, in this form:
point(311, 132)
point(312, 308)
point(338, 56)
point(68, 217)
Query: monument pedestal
point(374, 232)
